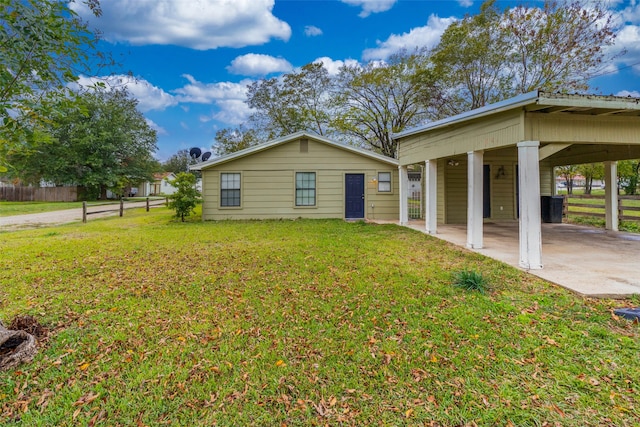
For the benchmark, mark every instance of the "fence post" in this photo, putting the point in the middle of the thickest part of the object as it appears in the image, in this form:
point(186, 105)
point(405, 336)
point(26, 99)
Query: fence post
point(620, 210)
point(121, 207)
point(565, 206)
point(84, 212)
point(147, 204)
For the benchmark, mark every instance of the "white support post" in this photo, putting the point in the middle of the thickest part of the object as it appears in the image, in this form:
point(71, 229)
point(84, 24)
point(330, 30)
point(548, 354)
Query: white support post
point(430, 197)
point(530, 215)
point(611, 195)
point(404, 195)
point(474, 199)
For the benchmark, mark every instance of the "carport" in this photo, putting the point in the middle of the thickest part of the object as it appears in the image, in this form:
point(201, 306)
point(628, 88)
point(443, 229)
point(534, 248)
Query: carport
point(494, 163)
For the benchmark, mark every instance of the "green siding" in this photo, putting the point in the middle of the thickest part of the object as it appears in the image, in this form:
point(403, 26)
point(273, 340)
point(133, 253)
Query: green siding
point(268, 183)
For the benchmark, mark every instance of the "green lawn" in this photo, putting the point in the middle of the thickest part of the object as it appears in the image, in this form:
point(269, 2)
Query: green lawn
point(300, 323)
point(19, 208)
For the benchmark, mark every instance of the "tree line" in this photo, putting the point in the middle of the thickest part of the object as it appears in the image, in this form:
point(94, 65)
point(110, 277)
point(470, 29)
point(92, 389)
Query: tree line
point(480, 59)
point(97, 138)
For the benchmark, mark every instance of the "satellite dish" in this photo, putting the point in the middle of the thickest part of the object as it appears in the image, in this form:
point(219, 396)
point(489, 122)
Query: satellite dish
point(195, 153)
point(205, 156)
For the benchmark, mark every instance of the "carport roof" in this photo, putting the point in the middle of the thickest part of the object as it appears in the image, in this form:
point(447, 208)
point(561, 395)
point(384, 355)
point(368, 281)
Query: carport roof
point(543, 102)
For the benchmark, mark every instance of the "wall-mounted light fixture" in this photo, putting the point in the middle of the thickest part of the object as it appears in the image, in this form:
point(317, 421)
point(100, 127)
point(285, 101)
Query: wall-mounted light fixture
point(452, 162)
point(501, 173)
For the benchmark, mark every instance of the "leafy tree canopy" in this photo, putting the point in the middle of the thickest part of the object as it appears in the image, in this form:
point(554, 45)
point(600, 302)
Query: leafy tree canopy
point(100, 142)
point(496, 55)
point(43, 47)
point(231, 140)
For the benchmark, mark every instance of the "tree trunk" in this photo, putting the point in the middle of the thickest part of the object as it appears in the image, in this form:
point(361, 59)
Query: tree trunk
point(16, 347)
point(588, 184)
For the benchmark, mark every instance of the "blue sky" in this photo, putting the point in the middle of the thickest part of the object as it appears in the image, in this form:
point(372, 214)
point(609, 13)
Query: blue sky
point(192, 59)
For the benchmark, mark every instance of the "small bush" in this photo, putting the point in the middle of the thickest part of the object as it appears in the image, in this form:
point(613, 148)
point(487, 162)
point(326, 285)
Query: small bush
point(470, 280)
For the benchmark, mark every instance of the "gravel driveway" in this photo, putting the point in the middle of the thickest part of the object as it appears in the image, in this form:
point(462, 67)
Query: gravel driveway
point(47, 219)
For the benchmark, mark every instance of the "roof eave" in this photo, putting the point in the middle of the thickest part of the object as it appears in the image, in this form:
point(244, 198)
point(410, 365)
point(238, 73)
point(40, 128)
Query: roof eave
point(508, 104)
point(261, 147)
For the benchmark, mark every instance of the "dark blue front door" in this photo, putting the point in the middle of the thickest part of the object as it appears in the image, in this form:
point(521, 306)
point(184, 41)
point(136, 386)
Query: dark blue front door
point(354, 200)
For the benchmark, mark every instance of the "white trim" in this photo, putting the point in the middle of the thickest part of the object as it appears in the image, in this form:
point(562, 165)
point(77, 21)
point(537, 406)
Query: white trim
point(475, 178)
point(294, 136)
point(530, 227)
point(611, 195)
point(431, 196)
point(403, 175)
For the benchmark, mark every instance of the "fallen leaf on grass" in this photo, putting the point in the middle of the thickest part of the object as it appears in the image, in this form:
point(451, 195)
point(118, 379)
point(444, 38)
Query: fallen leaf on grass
point(87, 398)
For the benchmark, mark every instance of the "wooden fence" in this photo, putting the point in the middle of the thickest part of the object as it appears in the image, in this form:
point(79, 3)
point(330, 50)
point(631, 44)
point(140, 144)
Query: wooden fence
point(594, 206)
point(39, 194)
point(100, 208)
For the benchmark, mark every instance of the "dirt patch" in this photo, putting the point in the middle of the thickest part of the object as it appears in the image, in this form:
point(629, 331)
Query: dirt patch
point(18, 343)
point(30, 325)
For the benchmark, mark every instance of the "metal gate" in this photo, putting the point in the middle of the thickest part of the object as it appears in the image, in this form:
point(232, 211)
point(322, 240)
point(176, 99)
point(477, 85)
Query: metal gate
point(415, 195)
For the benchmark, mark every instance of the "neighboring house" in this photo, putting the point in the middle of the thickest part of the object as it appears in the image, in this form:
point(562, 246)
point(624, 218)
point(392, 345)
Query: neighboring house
point(158, 186)
point(300, 176)
point(494, 163)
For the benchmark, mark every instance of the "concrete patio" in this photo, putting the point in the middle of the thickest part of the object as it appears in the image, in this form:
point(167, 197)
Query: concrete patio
point(590, 261)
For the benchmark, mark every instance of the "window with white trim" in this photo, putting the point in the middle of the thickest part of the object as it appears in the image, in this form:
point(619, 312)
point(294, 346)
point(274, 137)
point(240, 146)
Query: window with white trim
point(384, 182)
point(305, 188)
point(229, 189)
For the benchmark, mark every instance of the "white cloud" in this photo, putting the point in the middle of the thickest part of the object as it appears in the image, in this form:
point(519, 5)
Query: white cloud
point(228, 97)
point(633, 93)
point(201, 25)
point(149, 97)
point(153, 125)
point(629, 40)
point(427, 36)
point(465, 3)
point(631, 13)
point(312, 30)
point(371, 6)
point(253, 64)
point(333, 67)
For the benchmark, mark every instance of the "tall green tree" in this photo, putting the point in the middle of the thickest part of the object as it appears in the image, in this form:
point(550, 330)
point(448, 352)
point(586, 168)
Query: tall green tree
point(297, 101)
point(375, 101)
point(230, 140)
point(496, 55)
point(43, 46)
point(471, 62)
point(101, 142)
point(629, 176)
point(568, 173)
point(591, 171)
point(178, 162)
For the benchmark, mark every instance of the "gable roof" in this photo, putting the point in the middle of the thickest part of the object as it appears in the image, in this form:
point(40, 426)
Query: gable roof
point(544, 102)
point(162, 175)
point(292, 137)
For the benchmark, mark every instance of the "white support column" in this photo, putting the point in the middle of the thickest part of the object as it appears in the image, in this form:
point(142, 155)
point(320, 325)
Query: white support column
point(404, 194)
point(530, 216)
point(430, 196)
point(611, 195)
point(474, 199)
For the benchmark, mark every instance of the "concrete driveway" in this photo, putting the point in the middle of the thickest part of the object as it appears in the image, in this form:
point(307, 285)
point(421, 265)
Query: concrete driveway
point(45, 219)
point(590, 261)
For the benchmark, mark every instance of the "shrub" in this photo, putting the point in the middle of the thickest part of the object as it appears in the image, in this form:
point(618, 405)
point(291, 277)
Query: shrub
point(470, 280)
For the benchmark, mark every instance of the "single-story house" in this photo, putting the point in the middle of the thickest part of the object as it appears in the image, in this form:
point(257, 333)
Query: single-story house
point(300, 176)
point(496, 162)
point(159, 185)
